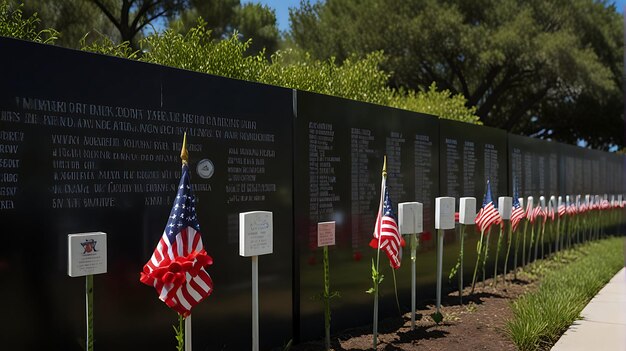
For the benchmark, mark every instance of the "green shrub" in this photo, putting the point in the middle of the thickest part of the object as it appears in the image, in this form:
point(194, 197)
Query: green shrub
point(357, 78)
point(13, 25)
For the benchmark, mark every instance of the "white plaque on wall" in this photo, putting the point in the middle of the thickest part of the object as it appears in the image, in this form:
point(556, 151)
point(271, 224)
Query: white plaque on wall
point(325, 234)
point(255, 233)
point(504, 206)
point(444, 213)
point(87, 254)
point(410, 217)
point(467, 210)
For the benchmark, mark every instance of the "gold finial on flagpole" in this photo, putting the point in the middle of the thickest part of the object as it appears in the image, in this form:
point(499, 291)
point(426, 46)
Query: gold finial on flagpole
point(184, 155)
point(385, 166)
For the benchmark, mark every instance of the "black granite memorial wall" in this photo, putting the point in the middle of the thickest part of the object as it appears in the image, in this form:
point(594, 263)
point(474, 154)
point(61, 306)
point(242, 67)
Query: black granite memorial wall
point(534, 167)
point(92, 143)
point(340, 146)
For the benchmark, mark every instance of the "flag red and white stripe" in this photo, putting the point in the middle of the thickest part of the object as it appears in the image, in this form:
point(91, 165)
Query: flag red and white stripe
point(176, 268)
point(386, 233)
point(488, 214)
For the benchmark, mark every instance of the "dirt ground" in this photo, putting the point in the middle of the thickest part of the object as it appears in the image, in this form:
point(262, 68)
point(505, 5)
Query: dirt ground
point(476, 324)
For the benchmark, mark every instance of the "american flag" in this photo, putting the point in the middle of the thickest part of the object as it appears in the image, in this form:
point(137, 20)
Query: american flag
point(562, 208)
point(539, 212)
point(488, 214)
point(530, 211)
point(176, 268)
point(386, 234)
point(517, 214)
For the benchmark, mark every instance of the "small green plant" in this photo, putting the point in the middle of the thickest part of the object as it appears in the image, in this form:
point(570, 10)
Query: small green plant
point(180, 334)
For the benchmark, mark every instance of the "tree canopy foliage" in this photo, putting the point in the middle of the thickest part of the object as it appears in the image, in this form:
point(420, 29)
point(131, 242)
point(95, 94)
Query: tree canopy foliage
point(551, 69)
point(224, 17)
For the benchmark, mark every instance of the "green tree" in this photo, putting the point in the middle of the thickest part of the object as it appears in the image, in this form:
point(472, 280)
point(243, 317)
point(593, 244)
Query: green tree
point(224, 17)
point(130, 17)
point(523, 63)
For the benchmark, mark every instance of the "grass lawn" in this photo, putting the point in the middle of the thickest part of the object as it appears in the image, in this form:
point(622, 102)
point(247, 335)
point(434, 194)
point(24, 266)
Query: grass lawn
point(569, 280)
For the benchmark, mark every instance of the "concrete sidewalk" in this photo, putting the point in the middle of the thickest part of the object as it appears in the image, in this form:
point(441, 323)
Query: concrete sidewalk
point(603, 326)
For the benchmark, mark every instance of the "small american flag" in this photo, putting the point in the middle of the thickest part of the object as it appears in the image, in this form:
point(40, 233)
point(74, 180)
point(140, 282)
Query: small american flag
point(562, 209)
point(488, 214)
point(517, 214)
point(530, 212)
point(386, 234)
point(176, 268)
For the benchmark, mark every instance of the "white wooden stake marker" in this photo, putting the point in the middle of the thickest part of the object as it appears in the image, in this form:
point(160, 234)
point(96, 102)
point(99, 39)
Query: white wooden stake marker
point(444, 219)
point(255, 238)
point(467, 216)
point(410, 216)
point(87, 255)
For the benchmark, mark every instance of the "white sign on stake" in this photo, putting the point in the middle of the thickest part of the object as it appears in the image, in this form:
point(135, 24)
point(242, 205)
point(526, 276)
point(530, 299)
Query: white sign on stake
point(467, 210)
point(255, 233)
point(444, 213)
point(325, 234)
point(87, 254)
point(255, 238)
point(410, 217)
point(504, 207)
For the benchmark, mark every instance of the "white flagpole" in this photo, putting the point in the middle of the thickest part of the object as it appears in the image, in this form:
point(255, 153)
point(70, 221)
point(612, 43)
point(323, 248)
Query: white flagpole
point(188, 333)
point(255, 303)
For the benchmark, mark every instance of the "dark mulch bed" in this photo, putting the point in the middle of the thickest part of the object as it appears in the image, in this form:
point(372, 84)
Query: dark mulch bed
point(477, 324)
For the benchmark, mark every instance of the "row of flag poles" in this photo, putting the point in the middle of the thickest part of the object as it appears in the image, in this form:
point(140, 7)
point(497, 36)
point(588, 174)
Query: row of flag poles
point(177, 268)
point(555, 223)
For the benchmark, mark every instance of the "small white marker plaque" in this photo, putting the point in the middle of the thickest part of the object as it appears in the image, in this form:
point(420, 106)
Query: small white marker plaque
point(255, 233)
point(560, 202)
point(410, 217)
point(467, 210)
point(325, 234)
point(444, 213)
point(542, 202)
point(87, 254)
point(530, 204)
point(504, 207)
point(521, 202)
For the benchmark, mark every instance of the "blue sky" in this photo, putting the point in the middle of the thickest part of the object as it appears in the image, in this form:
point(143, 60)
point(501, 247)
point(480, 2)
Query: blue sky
point(282, 9)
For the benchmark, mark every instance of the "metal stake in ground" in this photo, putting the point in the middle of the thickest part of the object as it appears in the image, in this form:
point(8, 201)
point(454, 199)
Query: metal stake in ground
point(255, 239)
point(410, 218)
point(87, 255)
point(326, 237)
point(444, 219)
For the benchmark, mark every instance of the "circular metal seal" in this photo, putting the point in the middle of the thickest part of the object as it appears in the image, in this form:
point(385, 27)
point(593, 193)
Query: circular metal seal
point(205, 168)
